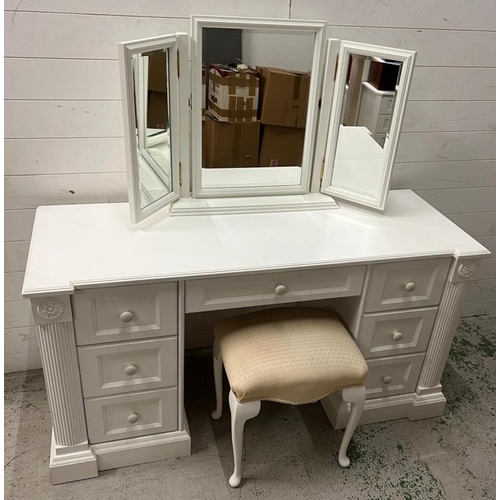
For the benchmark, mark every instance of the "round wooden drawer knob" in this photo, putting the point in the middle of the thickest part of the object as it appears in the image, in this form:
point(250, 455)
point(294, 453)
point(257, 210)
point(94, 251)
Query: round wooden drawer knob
point(280, 289)
point(131, 370)
point(133, 418)
point(387, 379)
point(410, 286)
point(126, 316)
point(397, 336)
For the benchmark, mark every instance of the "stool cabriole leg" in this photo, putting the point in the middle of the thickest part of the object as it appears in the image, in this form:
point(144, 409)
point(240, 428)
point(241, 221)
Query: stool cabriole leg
point(240, 413)
point(356, 396)
point(217, 413)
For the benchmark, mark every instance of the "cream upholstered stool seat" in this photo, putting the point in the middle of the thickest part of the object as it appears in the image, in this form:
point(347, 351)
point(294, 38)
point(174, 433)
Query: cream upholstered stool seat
point(290, 355)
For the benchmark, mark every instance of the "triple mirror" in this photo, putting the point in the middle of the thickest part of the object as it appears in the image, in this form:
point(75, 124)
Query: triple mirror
point(274, 116)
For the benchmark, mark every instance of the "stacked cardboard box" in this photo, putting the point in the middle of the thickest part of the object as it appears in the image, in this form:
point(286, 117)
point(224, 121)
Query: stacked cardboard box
point(157, 91)
point(232, 132)
point(233, 135)
point(231, 144)
point(283, 112)
point(233, 95)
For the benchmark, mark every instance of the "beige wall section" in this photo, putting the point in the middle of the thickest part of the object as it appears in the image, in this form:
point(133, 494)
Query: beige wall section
point(63, 130)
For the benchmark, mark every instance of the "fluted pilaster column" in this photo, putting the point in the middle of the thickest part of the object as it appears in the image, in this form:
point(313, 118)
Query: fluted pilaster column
point(71, 457)
point(62, 380)
point(442, 336)
point(429, 400)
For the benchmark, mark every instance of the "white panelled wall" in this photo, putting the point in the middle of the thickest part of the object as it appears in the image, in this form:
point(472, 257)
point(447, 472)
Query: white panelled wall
point(63, 123)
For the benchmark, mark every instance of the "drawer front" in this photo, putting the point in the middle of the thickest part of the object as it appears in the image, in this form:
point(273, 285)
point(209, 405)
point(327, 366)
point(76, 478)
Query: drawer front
point(380, 139)
point(386, 104)
point(383, 124)
point(131, 415)
point(125, 313)
point(391, 376)
point(128, 366)
point(400, 332)
point(406, 284)
point(275, 288)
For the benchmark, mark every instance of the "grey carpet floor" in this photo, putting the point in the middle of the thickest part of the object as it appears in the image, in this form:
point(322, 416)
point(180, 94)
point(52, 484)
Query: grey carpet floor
point(290, 453)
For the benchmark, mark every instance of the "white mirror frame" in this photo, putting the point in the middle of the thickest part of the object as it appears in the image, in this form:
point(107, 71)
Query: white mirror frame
point(408, 59)
point(314, 27)
point(126, 51)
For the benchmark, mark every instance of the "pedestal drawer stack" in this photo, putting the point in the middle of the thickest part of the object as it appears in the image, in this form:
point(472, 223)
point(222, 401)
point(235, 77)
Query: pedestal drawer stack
point(399, 313)
point(128, 351)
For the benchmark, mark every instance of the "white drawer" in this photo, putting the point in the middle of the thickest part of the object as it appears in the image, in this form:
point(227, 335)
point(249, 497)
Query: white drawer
point(383, 124)
point(380, 138)
point(131, 415)
point(128, 366)
point(391, 376)
point(125, 313)
point(275, 288)
point(386, 104)
point(406, 284)
point(396, 332)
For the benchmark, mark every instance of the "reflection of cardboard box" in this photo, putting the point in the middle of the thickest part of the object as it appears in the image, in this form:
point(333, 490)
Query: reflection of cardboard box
point(283, 97)
point(203, 91)
point(233, 96)
point(281, 146)
point(203, 143)
point(157, 74)
point(231, 144)
point(157, 110)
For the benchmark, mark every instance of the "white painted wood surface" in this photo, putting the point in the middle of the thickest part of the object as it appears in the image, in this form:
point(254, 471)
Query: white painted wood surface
point(454, 69)
point(295, 241)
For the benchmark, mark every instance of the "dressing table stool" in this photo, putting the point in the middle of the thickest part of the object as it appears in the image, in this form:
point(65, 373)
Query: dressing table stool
point(289, 355)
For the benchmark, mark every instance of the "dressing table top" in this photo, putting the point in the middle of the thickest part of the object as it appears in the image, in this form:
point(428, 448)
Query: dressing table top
point(83, 246)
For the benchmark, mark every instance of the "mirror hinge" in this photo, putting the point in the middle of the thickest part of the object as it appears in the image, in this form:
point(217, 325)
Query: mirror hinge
point(322, 170)
point(178, 64)
point(336, 68)
point(180, 174)
point(190, 102)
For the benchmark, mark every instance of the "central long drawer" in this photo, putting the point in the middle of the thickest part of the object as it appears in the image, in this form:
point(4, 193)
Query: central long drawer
point(273, 288)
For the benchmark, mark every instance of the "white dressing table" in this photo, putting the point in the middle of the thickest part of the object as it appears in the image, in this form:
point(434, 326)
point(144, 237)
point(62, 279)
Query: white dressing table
point(110, 287)
point(109, 300)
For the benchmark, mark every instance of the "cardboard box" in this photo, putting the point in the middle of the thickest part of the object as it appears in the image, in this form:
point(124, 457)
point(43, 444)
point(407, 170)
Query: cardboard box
point(203, 143)
point(157, 73)
point(281, 146)
point(157, 110)
point(231, 144)
point(283, 97)
point(233, 96)
point(203, 91)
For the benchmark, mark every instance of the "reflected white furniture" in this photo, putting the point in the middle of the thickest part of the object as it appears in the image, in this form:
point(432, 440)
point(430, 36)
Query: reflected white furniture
point(375, 111)
point(292, 355)
point(110, 299)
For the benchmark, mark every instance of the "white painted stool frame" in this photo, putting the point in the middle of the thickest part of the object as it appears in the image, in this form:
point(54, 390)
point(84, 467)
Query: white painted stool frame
point(241, 412)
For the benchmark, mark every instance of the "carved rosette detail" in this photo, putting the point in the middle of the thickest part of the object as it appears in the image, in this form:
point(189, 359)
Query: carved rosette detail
point(466, 270)
point(50, 309)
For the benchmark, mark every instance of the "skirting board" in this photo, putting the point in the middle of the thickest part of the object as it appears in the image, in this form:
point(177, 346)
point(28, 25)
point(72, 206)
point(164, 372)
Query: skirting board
point(143, 449)
point(411, 406)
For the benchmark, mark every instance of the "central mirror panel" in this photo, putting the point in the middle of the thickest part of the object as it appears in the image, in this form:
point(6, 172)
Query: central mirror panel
point(258, 98)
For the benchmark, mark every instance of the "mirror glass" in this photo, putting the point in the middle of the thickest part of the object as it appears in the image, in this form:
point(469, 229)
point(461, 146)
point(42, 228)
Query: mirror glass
point(152, 121)
point(369, 93)
point(255, 97)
